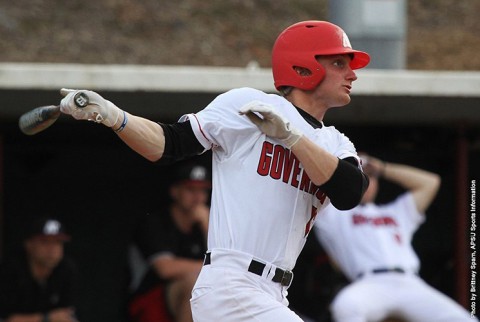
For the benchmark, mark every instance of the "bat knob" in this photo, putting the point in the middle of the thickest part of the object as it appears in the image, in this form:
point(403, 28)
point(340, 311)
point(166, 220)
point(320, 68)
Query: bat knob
point(81, 99)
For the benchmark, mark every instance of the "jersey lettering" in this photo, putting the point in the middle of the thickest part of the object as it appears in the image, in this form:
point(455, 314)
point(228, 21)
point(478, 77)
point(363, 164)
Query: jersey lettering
point(288, 165)
point(265, 159)
point(279, 162)
point(375, 221)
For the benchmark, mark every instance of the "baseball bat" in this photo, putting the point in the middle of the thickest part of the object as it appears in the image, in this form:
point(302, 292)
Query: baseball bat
point(42, 117)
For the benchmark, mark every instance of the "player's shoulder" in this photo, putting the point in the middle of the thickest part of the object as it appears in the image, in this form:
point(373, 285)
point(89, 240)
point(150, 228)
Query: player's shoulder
point(405, 199)
point(13, 267)
point(333, 132)
point(244, 91)
point(331, 129)
point(157, 220)
point(239, 93)
point(244, 95)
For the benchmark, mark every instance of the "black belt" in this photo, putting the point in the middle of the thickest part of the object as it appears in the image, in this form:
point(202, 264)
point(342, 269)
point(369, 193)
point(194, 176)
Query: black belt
point(281, 276)
point(385, 270)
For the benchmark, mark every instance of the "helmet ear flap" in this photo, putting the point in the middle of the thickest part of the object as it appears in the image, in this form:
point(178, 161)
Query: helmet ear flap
point(308, 79)
point(302, 71)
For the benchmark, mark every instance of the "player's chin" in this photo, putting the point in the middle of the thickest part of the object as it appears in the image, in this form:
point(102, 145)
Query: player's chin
point(343, 100)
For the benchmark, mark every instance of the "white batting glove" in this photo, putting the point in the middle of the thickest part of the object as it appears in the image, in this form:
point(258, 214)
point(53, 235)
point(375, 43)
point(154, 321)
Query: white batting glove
point(271, 123)
point(96, 108)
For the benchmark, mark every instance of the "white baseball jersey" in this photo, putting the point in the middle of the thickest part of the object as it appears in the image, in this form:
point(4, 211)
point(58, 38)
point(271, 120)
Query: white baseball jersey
point(371, 236)
point(263, 202)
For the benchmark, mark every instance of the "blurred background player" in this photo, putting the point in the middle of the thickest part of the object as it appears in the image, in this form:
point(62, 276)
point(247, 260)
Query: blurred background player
point(38, 284)
point(371, 245)
point(173, 241)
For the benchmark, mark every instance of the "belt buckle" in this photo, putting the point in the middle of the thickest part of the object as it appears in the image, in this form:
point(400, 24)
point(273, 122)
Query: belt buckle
point(287, 278)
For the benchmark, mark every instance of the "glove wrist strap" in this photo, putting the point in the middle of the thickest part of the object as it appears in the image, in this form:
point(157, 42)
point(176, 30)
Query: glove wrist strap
point(112, 116)
point(291, 140)
point(124, 123)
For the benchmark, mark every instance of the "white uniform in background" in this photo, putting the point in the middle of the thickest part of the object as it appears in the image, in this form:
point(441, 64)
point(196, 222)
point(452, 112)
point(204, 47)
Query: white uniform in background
point(371, 245)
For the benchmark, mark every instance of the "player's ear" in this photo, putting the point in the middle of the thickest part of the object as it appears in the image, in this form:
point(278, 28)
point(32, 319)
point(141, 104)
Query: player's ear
point(302, 71)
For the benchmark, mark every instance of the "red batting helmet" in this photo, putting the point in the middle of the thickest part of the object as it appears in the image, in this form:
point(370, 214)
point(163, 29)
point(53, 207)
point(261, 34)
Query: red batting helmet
point(298, 46)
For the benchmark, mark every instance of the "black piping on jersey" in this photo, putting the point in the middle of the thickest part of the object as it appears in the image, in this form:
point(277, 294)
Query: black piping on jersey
point(345, 188)
point(316, 124)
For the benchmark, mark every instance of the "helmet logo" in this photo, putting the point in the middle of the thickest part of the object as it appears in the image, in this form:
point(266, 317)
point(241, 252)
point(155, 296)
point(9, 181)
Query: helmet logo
point(345, 41)
point(52, 227)
point(198, 173)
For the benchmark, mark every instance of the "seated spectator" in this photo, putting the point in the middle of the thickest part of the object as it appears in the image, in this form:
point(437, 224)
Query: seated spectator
point(173, 241)
point(37, 285)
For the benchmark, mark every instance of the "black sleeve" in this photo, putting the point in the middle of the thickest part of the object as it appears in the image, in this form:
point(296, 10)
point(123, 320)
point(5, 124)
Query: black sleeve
point(65, 278)
point(8, 288)
point(180, 143)
point(347, 185)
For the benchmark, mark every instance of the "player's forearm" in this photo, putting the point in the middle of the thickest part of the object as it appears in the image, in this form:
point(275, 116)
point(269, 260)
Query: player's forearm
point(341, 180)
point(143, 136)
point(34, 317)
point(201, 214)
point(422, 184)
point(409, 177)
point(176, 267)
point(318, 163)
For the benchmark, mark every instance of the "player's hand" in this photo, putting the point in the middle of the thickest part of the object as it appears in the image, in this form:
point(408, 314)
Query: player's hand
point(62, 315)
point(271, 123)
point(372, 166)
point(201, 215)
point(98, 109)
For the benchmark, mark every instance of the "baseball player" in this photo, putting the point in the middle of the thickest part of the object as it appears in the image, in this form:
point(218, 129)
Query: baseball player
point(38, 283)
point(173, 240)
point(371, 245)
point(275, 166)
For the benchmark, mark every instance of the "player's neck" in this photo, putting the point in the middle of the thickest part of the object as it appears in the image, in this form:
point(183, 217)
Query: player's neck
point(182, 218)
point(40, 273)
point(316, 124)
point(307, 103)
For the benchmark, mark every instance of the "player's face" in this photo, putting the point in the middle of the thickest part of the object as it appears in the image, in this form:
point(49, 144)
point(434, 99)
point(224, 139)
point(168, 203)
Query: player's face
point(189, 196)
point(371, 192)
point(46, 252)
point(335, 88)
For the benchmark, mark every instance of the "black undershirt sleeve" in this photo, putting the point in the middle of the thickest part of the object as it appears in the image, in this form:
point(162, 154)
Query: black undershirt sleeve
point(347, 185)
point(180, 143)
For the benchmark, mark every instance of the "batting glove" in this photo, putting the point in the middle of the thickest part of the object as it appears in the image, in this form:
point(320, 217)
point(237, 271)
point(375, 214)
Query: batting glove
point(88, 105)
point(271, 123)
